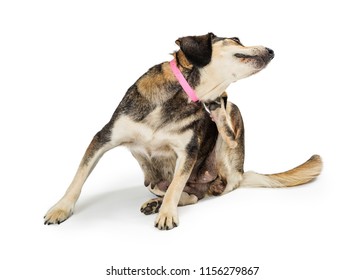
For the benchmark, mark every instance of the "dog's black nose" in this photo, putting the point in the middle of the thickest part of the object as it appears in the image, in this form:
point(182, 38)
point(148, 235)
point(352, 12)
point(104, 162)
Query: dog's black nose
point(270, 53)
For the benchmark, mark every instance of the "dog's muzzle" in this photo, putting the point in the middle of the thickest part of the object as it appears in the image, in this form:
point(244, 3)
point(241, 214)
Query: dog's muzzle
point(261, 57)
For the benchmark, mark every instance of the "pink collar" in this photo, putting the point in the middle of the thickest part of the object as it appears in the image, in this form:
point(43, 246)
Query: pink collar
point(182, 81)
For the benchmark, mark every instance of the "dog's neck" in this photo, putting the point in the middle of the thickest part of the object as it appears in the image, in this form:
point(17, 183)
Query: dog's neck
point(213, 82)
point(210, 87)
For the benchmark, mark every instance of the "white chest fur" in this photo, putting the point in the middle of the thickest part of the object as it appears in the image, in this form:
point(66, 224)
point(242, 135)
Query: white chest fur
point(151, 137)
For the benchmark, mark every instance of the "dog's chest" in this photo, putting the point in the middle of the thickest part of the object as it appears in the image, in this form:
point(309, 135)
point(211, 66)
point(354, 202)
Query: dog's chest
point(151, 137)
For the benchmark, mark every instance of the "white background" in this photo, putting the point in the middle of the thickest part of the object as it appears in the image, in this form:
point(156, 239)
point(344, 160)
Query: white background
point(65, 65)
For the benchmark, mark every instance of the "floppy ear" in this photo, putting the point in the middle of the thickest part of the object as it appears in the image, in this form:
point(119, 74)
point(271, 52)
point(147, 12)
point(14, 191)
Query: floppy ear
point(197, 49)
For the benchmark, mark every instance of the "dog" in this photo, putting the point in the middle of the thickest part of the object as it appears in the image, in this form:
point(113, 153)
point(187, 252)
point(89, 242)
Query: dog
point(189, 146)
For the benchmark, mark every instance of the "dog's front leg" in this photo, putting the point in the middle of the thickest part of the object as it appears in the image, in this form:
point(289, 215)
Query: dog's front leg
point(64, 207)
point(167, 217)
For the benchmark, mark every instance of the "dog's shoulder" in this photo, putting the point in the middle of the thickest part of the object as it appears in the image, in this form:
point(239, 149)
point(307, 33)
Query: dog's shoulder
point(151, 90)
point(157, 84)
point(158, 89)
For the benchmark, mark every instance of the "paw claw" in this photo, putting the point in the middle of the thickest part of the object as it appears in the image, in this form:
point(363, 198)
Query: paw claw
point(167, 220)
point(58, 214)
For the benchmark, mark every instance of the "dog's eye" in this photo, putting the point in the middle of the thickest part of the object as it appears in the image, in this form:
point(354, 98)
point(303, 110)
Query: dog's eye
point(236, 39)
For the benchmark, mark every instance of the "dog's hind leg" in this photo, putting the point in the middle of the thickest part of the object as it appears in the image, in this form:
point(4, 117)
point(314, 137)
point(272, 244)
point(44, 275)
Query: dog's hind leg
point(64, 207)
point(229, 147)
point(187, 199)
point(220, 114)
point(152, 206)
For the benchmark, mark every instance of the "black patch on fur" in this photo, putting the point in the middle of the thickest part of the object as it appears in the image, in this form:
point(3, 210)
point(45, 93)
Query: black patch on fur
point(188, 126)
point(224, 99)
point(229, 132)
point(213, 105)
point(193, 77)
point(205, 158)
point(240, 137)
point(217, 39)
point(178, 108)
point(192, 147)
point(134, 105)
point(192, 152)
point(197, 49)
point(100, 139)
point(241, 55)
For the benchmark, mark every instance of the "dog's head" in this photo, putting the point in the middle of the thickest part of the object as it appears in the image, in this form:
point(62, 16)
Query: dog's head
point(223, 60)
point(227, 56)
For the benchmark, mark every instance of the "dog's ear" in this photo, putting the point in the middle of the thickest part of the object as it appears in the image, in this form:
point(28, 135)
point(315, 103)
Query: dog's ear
point(197, 49)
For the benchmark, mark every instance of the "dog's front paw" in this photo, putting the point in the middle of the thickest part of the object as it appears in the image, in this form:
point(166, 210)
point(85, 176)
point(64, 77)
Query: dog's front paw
point(214, 105)
point(151, 206)
point(58, 213)
point(166, 219)
point(215, 116)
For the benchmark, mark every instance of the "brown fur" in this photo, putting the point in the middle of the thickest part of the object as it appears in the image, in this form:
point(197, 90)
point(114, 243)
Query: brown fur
point(301, 174)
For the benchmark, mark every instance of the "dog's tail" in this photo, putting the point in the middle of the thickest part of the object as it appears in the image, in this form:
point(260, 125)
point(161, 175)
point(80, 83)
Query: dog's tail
point(299, 175)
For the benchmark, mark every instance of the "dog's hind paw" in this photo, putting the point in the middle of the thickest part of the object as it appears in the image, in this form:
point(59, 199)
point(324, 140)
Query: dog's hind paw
point(151, 206)
point(217, 187)
point(58, 214)
point(166, 220)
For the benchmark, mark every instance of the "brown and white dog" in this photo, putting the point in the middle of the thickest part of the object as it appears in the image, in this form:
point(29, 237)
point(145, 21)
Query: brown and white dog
point(186, 153)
